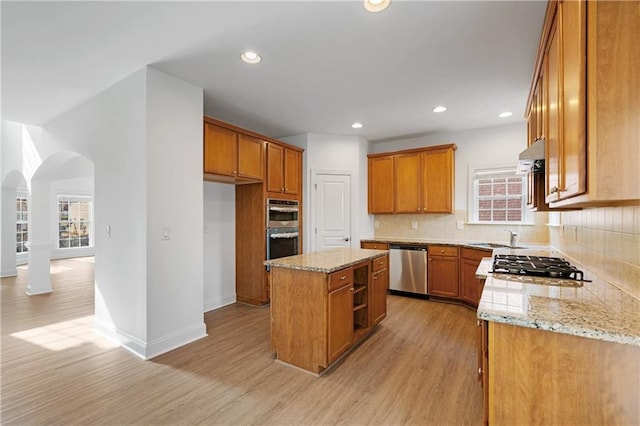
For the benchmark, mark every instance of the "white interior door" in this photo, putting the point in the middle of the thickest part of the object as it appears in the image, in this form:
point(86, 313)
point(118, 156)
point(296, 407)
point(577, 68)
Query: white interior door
point(332, 227)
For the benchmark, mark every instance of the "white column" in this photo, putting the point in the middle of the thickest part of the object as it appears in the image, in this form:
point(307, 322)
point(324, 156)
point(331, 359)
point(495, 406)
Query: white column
point(8, 232)
point(39, 239)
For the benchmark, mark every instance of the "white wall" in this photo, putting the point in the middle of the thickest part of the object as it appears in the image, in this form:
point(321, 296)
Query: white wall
point(110, 130)
point(219, 245)
point(144, 136)
point(174, 199)
point(478, 147)
point(336, 153)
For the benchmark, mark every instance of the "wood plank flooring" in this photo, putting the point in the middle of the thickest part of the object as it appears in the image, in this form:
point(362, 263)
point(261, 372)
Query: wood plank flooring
point(418, 368)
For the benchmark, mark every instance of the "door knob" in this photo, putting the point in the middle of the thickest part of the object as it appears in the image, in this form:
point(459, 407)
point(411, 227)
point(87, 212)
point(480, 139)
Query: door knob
point(346, 239)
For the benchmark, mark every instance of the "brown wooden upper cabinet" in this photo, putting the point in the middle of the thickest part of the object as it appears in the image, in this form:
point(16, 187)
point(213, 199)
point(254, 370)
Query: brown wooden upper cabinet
point(283, 170)
point(381, 184)
point(592, 149)
point(412, 181)
point(233, 154)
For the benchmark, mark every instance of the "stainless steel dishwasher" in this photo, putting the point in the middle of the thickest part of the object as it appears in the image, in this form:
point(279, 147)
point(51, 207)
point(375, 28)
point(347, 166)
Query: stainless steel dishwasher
point(408, 268)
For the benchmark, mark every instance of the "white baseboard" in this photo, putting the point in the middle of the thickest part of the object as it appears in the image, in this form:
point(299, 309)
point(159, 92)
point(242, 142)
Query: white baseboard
point(124, 339)
point(176, 340)
point(9, 273)
point(219, 302)
point(152, 349)
point(72, 252)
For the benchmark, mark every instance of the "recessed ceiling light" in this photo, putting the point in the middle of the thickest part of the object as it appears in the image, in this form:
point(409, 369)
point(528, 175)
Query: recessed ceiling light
point(439, 109)
point(357, 125)
point(376, 5)
point(505, 114)
point(250, 57)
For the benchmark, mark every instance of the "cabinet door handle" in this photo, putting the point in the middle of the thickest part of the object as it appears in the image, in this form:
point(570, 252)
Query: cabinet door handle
point(480, 371)
point(351, 289)
point(344, 277)
point(429, 259)
point(441, 251)
point(556, 189)
point(478, 323)
point(375, 277)
point(381, 263)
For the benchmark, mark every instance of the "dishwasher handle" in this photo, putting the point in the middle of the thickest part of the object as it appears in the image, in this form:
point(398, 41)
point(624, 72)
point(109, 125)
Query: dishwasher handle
point(405, 247)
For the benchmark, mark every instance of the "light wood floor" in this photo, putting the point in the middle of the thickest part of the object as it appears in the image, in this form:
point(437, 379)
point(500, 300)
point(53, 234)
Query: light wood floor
point(418, 368)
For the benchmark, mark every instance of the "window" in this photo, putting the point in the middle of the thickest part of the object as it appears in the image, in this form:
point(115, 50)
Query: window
point(22, 224)
point(498, 196)
point(74, 221)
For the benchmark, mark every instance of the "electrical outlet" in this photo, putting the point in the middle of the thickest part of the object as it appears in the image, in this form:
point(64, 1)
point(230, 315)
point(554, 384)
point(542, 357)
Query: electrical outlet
point(414, 225)
point(459, 224)
point(575, 234)
point(561, 231)
point(205, 228)
point(108, 231)
point(376, 224)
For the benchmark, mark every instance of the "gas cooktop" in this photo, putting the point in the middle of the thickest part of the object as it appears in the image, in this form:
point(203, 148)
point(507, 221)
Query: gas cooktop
point(540, 266)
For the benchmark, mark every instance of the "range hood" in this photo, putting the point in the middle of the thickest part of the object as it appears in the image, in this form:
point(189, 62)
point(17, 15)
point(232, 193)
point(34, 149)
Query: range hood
point(531, 160)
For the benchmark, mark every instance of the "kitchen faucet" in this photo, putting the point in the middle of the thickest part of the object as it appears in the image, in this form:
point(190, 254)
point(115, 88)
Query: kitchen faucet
point(512, 237)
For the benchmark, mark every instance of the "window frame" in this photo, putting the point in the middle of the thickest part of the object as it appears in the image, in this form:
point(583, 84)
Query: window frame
point(508, 170)
point(64, 197)
point(20, 195)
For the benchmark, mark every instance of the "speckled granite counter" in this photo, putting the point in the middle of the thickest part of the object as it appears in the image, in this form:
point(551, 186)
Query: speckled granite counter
point(326, 261)
point(596, 309)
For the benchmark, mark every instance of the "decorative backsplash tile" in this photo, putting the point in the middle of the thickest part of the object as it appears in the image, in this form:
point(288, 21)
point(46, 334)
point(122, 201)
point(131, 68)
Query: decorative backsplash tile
point(444, 227)
point(606, 240)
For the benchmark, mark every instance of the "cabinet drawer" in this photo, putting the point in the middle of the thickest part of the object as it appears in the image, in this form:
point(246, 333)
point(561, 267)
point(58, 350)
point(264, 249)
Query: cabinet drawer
point(380, 263)
point(340, 278)
point(442, 251)
point(374, 246)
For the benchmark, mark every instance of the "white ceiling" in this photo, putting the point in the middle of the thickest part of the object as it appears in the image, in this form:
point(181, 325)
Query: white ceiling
point(325, 64)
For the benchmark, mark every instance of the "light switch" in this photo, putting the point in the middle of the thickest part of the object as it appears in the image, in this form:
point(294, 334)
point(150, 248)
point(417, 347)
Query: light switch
point(206, 228)
point(108, 231)
point(165, 232)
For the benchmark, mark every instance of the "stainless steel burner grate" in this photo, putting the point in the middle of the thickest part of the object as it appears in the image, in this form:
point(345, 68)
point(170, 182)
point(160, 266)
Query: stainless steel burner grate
point(541, 266)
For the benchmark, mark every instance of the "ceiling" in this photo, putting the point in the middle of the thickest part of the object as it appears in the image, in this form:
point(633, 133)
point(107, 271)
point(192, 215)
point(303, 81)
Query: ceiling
point(325, 64)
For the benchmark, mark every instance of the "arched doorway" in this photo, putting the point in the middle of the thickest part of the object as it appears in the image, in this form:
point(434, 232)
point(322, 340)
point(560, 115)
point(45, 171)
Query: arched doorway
point(63, 179)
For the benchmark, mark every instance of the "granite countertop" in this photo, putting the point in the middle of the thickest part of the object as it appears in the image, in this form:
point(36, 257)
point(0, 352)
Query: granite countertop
point(479, 245)
point(326, 261)
point(596, 309)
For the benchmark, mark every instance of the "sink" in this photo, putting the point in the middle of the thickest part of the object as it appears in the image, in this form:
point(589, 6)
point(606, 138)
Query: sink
point(496, 245)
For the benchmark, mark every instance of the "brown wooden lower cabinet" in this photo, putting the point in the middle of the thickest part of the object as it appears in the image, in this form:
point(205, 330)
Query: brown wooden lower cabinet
point(442, 271)
point(316, 317)
point(533, 376)
point(340, 318)
point(470, 286)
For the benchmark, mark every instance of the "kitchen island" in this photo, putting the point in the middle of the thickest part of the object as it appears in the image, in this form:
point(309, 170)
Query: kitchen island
point(324, 303)
point(558, 351)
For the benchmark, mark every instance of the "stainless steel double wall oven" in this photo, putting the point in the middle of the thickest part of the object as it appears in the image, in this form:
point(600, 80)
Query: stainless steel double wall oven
point(282, 229)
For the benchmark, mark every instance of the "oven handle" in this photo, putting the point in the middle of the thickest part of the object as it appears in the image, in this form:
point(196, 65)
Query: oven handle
point(282, 209)
point(284, 235)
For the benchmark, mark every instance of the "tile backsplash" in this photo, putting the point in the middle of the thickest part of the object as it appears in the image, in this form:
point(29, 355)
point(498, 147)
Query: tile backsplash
point(605, 240)
point(443, 227)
